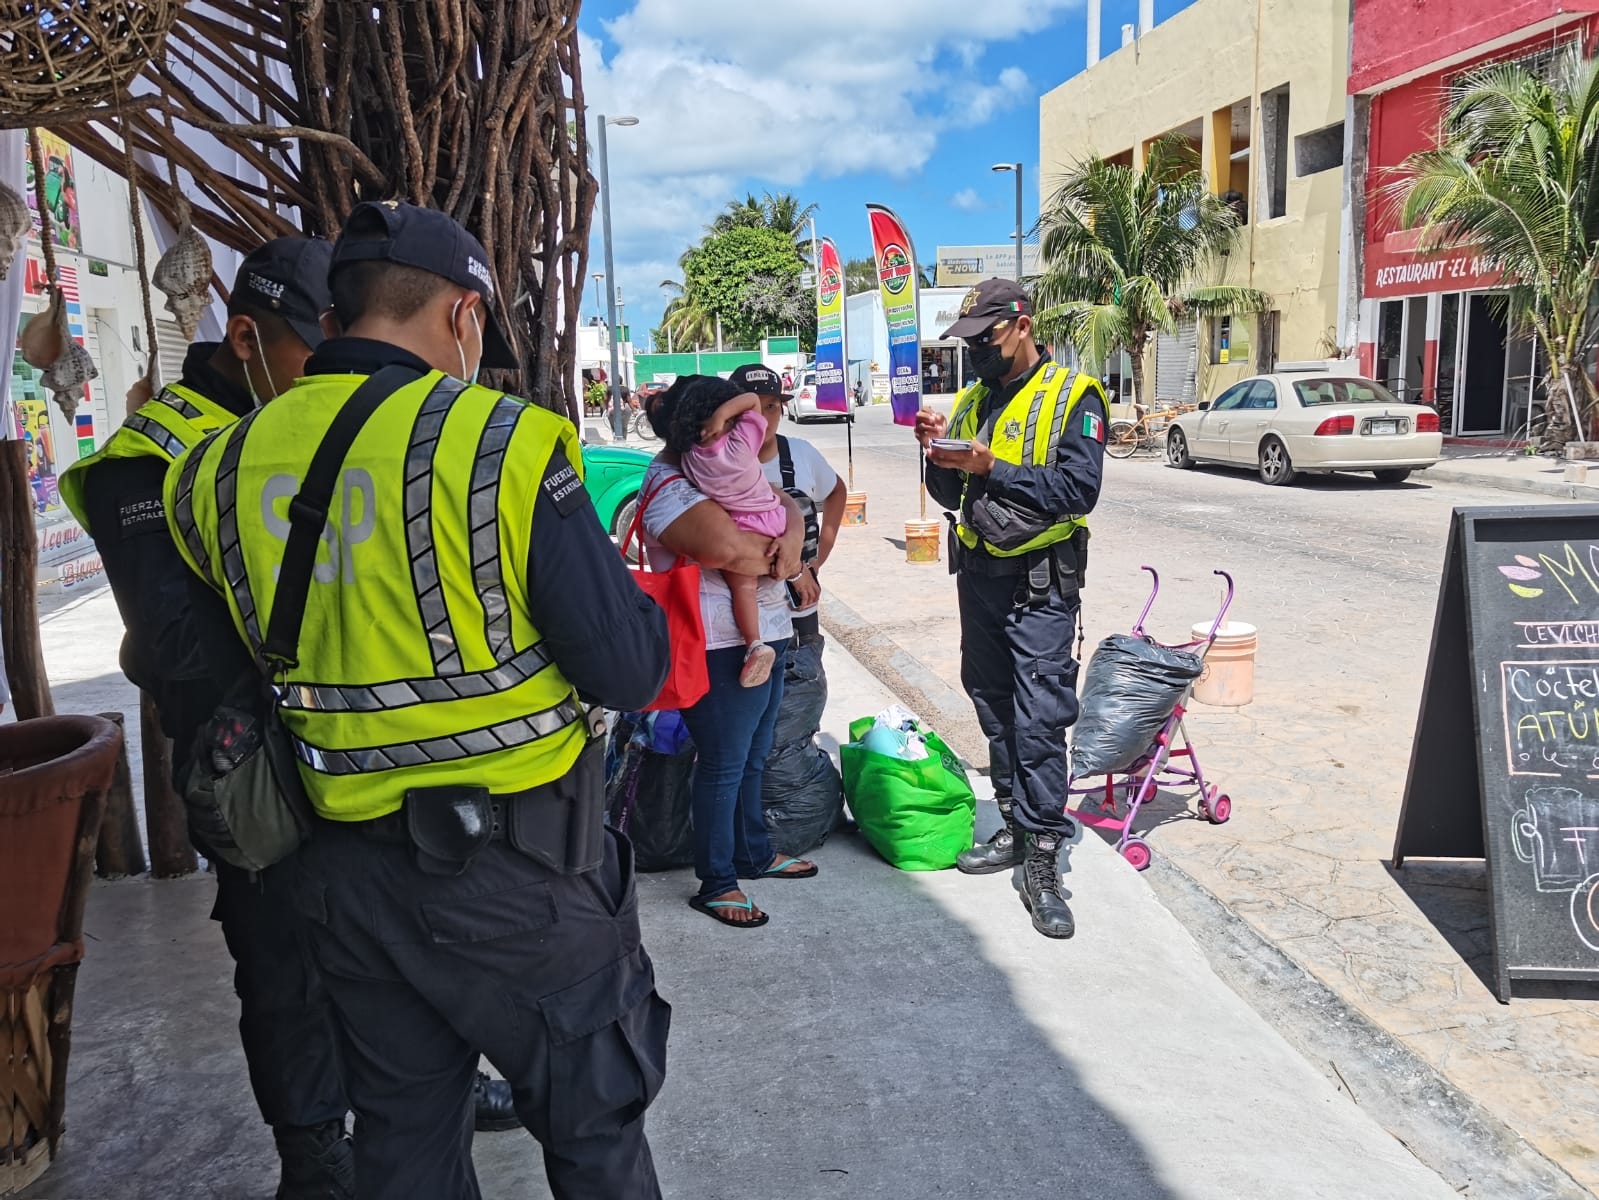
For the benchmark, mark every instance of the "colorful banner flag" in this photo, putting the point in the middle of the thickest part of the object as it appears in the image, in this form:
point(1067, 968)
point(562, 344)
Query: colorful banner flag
point(896, 277)
point(832, 392)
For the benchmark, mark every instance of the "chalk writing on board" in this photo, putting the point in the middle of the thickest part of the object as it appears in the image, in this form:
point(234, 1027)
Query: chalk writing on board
point(1551, 716)
point(1540, 635)
point(1556, 833)
point(1574, 571)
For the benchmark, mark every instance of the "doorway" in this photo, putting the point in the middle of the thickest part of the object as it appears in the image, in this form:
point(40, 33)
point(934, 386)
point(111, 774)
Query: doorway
point(1481, 405)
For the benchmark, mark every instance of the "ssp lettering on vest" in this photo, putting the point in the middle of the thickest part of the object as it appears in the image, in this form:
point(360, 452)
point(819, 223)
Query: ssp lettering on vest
point(419, 666)
point(1026, 432)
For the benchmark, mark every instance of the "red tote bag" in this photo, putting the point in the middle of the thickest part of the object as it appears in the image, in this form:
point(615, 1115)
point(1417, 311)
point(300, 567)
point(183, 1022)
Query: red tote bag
point(677, 591)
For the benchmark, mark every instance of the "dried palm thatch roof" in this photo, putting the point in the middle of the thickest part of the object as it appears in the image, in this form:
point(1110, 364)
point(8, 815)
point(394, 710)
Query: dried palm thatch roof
point(275, 117)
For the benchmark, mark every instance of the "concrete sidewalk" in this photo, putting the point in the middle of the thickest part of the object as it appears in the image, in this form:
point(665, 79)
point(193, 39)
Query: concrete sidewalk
point(887, 1036)
point(1520, 473)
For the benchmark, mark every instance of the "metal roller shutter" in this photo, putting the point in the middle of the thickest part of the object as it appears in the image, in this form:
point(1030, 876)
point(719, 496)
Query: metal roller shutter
point(1177, 363)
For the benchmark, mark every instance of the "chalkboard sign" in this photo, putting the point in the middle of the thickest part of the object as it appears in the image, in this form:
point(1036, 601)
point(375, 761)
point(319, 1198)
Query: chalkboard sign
point(1514, 668)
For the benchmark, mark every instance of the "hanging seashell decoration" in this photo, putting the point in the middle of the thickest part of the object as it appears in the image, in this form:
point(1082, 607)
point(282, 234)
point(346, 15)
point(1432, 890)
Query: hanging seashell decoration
point(66, 376)
point(15, 221)
point(184, 274)
point(43, 339)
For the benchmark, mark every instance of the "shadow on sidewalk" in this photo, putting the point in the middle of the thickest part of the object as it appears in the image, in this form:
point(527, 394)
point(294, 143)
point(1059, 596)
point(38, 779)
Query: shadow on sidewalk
point(1453, 895)
point(870, 1042)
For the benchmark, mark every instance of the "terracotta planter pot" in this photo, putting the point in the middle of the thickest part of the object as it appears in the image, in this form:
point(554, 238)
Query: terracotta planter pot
point(54, 774)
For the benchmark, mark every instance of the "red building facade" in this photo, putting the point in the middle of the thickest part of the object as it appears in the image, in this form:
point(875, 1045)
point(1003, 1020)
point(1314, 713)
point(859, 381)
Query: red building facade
point(1428, 326)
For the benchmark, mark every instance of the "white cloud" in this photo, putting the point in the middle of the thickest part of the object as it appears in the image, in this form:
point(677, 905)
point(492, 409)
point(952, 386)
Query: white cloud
point(778, 93)
point(967, 200)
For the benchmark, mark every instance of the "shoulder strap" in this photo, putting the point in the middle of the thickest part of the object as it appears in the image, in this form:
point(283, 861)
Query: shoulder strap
point(785, 461)
point(308, 514)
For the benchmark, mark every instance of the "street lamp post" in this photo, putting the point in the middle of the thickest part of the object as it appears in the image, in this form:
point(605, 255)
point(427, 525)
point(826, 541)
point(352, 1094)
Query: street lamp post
point(1017, 168)
point(619, 418)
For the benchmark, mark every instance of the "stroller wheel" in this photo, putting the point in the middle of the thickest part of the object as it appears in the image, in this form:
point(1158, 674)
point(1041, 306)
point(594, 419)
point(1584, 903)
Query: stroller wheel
point(1137, 853)
point(1218, 810)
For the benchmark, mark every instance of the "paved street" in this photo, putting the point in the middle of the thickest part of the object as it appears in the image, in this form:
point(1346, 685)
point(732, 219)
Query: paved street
point(1340, 575)
point(889, 1036)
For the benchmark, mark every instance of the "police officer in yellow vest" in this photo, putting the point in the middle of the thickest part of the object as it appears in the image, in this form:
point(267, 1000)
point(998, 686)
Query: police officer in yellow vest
point(466, 612)
point(286, 1024)
point(1023, 488)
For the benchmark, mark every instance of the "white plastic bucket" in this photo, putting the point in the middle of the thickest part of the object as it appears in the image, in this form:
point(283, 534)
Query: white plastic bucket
point(1229, 677)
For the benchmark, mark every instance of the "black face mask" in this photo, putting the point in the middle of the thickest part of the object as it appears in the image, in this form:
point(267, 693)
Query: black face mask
point(989, 364)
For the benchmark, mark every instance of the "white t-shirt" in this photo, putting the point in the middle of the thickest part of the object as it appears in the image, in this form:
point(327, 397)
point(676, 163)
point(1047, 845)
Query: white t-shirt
point(716, 603)
point(813, 475)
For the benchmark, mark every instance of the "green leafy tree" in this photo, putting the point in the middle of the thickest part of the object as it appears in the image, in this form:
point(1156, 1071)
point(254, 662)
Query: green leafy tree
point(1516, 173)
point(717, 274)
point(860, 275)
point(1125, 253)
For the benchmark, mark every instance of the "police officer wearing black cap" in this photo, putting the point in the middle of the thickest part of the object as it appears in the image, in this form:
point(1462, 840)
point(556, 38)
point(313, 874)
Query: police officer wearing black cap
point(274, 323)
point(1020, 459)
point(469, 618)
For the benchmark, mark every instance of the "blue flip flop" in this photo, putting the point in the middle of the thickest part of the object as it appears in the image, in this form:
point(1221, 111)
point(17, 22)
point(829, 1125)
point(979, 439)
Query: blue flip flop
point(713, 909)
point(780, 871)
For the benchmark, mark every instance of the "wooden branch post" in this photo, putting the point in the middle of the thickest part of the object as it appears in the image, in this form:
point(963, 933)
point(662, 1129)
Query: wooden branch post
point(165, 822)
point(120, 850)
point(19, 600)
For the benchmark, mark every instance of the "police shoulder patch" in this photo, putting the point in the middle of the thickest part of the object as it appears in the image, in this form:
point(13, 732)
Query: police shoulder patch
point(1093, 427)
point(144, 515)
point(565, 490)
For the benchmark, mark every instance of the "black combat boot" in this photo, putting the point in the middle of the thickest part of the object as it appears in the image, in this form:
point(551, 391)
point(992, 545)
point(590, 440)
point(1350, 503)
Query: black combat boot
point(999, 853)
point(493, 1108)
point(318, 1162)
point(1041, 889)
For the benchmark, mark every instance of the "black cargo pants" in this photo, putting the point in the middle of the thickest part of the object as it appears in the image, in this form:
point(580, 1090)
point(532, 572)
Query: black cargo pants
point(544, 973)
point(1017, 667)
point(285, 1020)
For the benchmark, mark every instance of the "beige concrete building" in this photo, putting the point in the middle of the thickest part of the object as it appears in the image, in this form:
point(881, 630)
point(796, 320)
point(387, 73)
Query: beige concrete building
point(1259, 88)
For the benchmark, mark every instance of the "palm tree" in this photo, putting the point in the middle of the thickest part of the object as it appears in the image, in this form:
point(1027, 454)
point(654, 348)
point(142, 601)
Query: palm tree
point(1125, 251)
point(781, 211)
point(1516, 173)
point(689, 322)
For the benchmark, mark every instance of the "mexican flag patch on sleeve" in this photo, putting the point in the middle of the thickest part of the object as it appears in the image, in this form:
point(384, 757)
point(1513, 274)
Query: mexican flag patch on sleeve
point(1093, 427)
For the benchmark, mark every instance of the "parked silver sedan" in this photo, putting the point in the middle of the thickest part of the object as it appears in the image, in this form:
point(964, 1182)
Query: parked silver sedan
point(1286, 425)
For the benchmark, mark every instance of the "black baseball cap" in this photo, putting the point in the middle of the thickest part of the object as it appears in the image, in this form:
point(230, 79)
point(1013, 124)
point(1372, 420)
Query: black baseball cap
point(431, 241)
point(286, 278)
point(762, 380)
point(987, 304)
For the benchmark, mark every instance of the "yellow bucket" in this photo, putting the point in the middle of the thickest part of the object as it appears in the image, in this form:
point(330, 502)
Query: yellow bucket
point(922, 539)
point(855, 508)
point(1229, 677)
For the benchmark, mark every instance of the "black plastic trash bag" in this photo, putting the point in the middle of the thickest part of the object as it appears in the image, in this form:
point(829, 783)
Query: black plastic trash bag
point(1132, 685)
point(648, 795)
point(801, 791)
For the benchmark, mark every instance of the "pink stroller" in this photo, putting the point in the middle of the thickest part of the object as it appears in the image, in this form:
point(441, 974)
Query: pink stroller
point(1157, 767)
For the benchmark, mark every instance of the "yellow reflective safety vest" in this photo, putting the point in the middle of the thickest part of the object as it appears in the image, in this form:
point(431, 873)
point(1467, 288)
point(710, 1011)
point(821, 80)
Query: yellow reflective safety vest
point(1026, 432)
point(164, 427)
point(419, 665)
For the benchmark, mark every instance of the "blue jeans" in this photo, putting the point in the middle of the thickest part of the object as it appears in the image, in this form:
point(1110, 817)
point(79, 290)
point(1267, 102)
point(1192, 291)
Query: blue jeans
point(732, 729)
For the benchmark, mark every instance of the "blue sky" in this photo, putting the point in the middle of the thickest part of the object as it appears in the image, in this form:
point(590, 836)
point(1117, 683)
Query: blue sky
point(902, 102)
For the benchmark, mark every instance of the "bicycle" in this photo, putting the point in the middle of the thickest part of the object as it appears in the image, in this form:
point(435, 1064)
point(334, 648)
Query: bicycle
point(1126, 438)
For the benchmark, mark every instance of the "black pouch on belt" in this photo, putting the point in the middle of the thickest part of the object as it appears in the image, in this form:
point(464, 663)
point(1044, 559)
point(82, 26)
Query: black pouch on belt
point(955, 547)
point(448, 826)
point(562, 823)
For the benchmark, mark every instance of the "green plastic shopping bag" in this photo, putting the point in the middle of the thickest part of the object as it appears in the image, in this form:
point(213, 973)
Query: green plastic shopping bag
point(918, 815)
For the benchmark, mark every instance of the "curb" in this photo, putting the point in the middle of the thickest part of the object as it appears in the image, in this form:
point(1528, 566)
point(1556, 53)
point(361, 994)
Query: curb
point(1446, 1130)
point(1537, 487)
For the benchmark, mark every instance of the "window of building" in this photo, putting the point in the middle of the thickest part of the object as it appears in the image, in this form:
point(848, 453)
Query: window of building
point(1320, 151)
point(1229, 340)
point(1274, 160)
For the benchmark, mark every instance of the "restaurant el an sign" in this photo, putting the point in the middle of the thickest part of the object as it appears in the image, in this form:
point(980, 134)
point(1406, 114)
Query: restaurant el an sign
point(1397, 266)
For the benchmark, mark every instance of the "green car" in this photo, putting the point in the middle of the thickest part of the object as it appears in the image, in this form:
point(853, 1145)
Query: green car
point(612, 475)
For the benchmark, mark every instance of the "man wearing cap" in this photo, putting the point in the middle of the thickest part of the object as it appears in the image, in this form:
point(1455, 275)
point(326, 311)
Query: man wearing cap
point(285, 1023)
point(468, 617)
point(1023, 478)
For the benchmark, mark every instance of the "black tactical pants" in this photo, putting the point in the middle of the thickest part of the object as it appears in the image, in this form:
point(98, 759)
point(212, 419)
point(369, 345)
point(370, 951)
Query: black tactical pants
point(1017, 667)
point(285, 1020)
point(543, 973)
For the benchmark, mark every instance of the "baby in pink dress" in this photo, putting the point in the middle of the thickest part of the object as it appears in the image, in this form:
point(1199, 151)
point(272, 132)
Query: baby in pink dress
point(725, 464)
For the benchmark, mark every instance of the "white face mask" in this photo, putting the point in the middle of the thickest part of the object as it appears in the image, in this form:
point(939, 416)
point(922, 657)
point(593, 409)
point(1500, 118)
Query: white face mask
point(461, 350)
point(255, 399)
